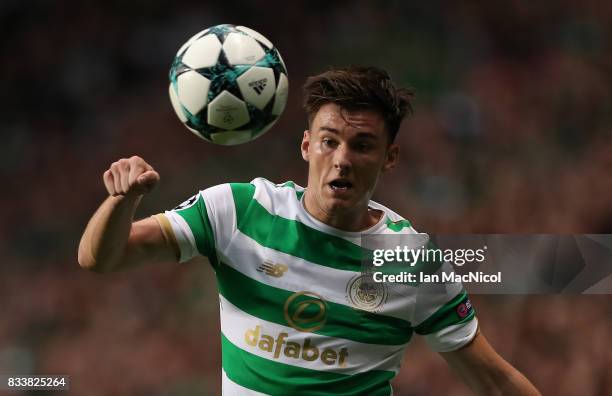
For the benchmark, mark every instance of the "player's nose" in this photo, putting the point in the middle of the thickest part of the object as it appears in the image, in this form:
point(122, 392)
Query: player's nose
point(342, 160)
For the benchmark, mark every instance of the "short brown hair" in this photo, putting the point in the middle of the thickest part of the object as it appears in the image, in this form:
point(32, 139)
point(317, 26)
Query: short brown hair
point(359, 87)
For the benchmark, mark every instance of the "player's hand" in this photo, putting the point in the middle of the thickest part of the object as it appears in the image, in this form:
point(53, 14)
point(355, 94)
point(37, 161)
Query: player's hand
point(130, 176)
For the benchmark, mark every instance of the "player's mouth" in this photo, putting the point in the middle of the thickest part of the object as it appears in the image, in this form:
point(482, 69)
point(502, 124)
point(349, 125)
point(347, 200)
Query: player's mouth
point(340, 185)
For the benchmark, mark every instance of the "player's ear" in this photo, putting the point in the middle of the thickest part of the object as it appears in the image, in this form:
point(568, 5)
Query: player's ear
point(391, 157)
point(305, 145)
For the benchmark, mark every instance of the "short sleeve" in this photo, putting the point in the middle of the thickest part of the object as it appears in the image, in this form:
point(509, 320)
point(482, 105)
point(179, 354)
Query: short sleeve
point(198, 223)
point(444, 315)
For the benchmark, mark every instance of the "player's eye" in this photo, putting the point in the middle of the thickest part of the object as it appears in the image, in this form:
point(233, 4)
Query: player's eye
point(363, 146)
point(328, 142)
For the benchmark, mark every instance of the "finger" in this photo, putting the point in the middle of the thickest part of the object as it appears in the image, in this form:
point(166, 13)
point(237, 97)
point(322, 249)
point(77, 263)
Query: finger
point(109, 183)
point(136, 160)
point(124, 171)
point(148, 180)
point(135, 172)
point(116, 179)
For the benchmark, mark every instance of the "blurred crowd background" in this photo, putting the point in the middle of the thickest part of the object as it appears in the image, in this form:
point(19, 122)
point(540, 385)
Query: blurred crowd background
point(511, 134)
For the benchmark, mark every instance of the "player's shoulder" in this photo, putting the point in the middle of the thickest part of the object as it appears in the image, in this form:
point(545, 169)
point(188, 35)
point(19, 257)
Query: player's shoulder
point(258, 188)
point(263, 185)
point(268, 191)
point(394, 223)
point(262, 190)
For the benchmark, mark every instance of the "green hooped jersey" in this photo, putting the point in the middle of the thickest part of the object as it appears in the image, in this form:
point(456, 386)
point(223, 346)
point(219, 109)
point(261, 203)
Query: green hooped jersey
point(295, 317)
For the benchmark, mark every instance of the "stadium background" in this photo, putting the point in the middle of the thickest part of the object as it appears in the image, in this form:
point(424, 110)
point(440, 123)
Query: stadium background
point(511, 134)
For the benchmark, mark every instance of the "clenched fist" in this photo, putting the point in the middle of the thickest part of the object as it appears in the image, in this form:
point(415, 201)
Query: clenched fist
point(131, 176)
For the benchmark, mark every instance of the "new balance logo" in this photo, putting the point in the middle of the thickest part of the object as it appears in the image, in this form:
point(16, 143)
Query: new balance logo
point(271, 269)
point(259, 85)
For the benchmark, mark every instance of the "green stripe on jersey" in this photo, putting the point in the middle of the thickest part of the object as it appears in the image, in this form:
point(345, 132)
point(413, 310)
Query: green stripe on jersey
point(243, 194)
point(291, 236)
point(196, 217)
point(397, 226)
point(291, 184)
point(274, 378)
point(267, 302)
point(446, 316)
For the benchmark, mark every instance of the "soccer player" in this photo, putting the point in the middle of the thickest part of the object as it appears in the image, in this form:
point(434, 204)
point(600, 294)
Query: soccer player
point(297, 315)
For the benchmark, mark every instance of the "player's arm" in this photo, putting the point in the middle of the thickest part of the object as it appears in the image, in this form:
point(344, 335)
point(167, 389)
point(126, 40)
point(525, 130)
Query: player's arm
point(485, 372)
point(112, 241)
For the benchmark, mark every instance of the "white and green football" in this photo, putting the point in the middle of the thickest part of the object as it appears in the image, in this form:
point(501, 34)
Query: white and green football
point(228, 84)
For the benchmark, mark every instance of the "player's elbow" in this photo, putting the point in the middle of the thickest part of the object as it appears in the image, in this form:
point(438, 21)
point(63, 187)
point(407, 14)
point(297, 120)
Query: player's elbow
point(88, 262)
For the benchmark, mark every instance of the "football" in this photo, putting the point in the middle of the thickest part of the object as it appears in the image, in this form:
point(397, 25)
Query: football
point(228, 84)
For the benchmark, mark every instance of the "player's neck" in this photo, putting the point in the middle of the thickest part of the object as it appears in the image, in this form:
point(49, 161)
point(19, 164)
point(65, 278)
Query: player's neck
point(354, 220)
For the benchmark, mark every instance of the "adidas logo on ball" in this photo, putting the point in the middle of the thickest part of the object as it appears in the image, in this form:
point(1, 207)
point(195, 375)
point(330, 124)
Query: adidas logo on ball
point(259, 85)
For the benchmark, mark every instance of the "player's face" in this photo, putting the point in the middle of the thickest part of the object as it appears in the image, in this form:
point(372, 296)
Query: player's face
point(346, 152)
